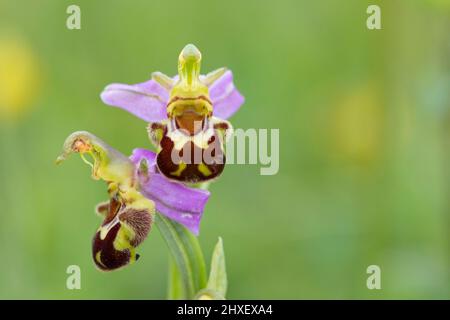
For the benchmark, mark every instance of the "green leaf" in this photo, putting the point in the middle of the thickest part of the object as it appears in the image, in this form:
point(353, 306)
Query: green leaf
point(217, 281)
point(189, 275)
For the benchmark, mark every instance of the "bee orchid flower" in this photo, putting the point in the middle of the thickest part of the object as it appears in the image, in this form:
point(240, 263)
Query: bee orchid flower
point(187, 115)
point(135, 189)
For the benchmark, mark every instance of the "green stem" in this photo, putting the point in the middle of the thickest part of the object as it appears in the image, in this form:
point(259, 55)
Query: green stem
point(175, 288)
point(188, 275)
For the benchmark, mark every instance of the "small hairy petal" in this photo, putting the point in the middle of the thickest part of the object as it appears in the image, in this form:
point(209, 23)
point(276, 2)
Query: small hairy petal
point(145, 100)
point(140, 221)
point(225, 97)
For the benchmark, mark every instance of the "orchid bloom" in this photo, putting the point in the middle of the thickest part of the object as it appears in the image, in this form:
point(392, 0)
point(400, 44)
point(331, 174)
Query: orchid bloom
point(186, 114)
point(135, 190)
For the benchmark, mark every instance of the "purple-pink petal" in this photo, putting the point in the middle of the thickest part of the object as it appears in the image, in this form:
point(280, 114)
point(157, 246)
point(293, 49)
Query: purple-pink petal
point(176, 201)
point(225, 97)
point(148, 100)
point(139, 154)
point(173, 199)
point(145, 100)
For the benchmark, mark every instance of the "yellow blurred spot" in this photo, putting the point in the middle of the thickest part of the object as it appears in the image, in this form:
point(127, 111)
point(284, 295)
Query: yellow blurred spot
point(357, 125)
point(19, 77)
point(440, 4)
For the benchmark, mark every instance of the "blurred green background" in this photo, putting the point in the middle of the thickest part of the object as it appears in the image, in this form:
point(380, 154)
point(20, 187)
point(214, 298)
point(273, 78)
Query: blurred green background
point(364, 119)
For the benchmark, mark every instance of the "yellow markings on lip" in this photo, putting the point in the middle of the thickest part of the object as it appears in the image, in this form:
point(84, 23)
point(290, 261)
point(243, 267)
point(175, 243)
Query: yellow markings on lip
point(204, 170)
point(180, 169)
point(99, 260)
point(123, 238)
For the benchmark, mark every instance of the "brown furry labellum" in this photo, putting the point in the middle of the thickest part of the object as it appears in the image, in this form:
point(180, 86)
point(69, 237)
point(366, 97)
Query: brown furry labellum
point(123, 229)
point(188, 161)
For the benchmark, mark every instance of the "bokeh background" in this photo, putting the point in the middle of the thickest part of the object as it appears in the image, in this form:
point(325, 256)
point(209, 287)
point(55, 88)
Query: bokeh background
point(364, 119)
